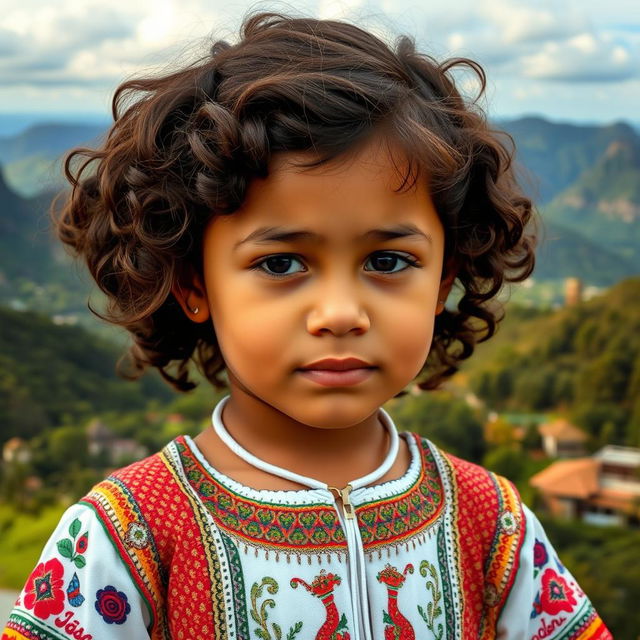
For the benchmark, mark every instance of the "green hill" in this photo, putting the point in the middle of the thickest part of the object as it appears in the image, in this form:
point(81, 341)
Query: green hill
point(51, 373)
point(565, 251)
point(556, 154)
point(604, 204)
point(583, 360)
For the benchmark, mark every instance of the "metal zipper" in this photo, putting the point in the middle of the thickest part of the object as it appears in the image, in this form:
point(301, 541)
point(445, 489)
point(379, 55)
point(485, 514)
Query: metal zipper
point(350, 525)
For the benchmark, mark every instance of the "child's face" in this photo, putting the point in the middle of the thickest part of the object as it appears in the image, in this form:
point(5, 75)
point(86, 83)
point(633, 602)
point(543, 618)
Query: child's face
point(341, 294)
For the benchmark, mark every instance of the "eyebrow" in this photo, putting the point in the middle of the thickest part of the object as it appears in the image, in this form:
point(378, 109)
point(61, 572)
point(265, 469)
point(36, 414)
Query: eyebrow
point(265, 235)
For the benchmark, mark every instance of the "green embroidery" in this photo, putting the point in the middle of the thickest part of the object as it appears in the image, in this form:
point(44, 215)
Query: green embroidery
point(261, 615)
point(295, 630)
point(433, 608)
point(74, 549)
point(237, 580)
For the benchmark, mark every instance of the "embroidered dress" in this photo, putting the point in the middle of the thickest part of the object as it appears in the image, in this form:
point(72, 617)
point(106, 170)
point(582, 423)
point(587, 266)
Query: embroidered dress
point(169, 547)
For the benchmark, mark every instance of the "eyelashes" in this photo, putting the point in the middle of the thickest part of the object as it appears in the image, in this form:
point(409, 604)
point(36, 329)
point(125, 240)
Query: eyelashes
point(286, 258)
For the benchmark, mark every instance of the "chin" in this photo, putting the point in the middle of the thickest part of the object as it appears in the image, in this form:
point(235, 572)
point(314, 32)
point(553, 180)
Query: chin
point(333, 413)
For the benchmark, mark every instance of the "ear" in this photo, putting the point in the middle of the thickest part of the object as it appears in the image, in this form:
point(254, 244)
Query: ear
point(450, 272)
point(192, 297)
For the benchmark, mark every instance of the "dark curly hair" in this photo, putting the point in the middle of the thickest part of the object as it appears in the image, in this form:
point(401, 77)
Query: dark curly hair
point(184, 147)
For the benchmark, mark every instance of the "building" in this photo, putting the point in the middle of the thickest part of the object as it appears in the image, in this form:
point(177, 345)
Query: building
point(602, 489)
point(561, 439)
point(101, 440)
point(572, 291)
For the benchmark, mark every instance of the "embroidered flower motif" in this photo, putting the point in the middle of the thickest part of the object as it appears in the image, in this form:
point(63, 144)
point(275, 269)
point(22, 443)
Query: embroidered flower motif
point(137, 535)
point(44, 589)
point(556, 595)
point(508, 522)
point(112, 605)
point(540, 555)
point(82, 543)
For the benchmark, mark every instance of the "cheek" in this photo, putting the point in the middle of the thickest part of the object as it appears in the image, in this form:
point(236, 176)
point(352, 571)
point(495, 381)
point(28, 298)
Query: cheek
point(253, 338)
point(409, 334)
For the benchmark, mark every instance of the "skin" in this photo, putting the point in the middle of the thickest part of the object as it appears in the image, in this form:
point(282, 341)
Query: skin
point(341, 296)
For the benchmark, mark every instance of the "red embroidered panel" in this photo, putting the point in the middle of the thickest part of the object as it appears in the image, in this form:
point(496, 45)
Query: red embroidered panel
point(316, 528)
point(490, 526)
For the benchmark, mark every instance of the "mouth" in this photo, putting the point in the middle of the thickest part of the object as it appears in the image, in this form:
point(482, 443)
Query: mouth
point(338, 364)
point(336, 378)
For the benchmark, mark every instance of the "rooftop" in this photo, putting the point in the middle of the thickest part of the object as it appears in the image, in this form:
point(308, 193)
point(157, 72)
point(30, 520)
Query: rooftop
point(568, 478)
point(562, 429)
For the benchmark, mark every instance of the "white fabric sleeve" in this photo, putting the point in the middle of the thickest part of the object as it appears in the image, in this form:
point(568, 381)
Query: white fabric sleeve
point(80, 588)
point(545, 600)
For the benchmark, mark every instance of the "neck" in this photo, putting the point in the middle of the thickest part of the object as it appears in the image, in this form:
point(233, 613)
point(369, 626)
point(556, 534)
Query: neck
point(334, 456)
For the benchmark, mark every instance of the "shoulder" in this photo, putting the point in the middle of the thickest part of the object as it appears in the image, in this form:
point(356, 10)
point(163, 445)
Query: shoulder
point(473, 482)
point(142, 477)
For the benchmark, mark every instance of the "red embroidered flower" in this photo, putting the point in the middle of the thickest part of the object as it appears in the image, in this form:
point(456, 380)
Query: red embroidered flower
point(82, 543)
point(112, 605)
point(556, 595)
point(43, 591)
point(540, 555)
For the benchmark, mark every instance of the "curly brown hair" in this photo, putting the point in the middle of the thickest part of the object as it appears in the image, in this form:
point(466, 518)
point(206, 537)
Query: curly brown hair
point(184, 147)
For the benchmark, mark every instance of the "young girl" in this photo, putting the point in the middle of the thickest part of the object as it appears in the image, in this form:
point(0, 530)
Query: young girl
point(292, 211)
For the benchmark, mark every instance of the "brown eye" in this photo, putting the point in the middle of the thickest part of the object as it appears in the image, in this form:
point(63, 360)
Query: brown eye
point(386, 262)
point(277, 265)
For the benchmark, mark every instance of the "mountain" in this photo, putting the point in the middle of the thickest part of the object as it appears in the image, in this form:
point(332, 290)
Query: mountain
point(564, 251)
point(32, 158)
point(604, 203)
point(50, 139)
point(50, 373)
point(35, 270)
point(556, 154)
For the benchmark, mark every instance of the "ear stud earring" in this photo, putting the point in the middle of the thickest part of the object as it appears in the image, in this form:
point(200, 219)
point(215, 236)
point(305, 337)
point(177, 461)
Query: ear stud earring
point(194, 311)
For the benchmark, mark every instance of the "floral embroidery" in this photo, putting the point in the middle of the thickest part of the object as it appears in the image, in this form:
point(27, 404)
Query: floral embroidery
point(508, 522)
point(322, 586)
point(260, 616)
point(73, 592)
point(82, 543)
point(554, 596)
point(75, 552)
point(137, 535)
point(43, 591)
point(112, 605)
point(398, 627)
point(433, 608)
point(540, 555)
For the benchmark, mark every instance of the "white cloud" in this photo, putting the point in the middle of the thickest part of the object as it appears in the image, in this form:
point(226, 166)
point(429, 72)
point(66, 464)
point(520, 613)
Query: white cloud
point(582, 58)
point(86, 47)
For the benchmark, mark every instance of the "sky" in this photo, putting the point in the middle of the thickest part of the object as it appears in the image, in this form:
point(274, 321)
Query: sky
point(566, 60)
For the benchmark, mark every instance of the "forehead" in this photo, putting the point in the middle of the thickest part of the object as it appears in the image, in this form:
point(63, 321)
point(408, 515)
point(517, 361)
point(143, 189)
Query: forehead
point(338, 200)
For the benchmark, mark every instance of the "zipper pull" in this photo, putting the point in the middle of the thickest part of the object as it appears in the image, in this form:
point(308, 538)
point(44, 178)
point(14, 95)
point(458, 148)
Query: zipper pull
point(343, 494)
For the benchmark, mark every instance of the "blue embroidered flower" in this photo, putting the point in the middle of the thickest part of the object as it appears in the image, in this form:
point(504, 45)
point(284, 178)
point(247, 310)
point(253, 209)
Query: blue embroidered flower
point(112, 605)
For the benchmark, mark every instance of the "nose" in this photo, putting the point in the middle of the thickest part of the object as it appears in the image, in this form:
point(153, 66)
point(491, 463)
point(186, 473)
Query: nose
point(338, 308)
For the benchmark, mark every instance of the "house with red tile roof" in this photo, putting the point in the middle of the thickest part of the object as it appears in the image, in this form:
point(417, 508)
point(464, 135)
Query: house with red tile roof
point(601, 489)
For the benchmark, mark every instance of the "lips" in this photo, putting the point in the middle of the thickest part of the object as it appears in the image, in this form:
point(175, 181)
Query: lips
point(336, 364)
